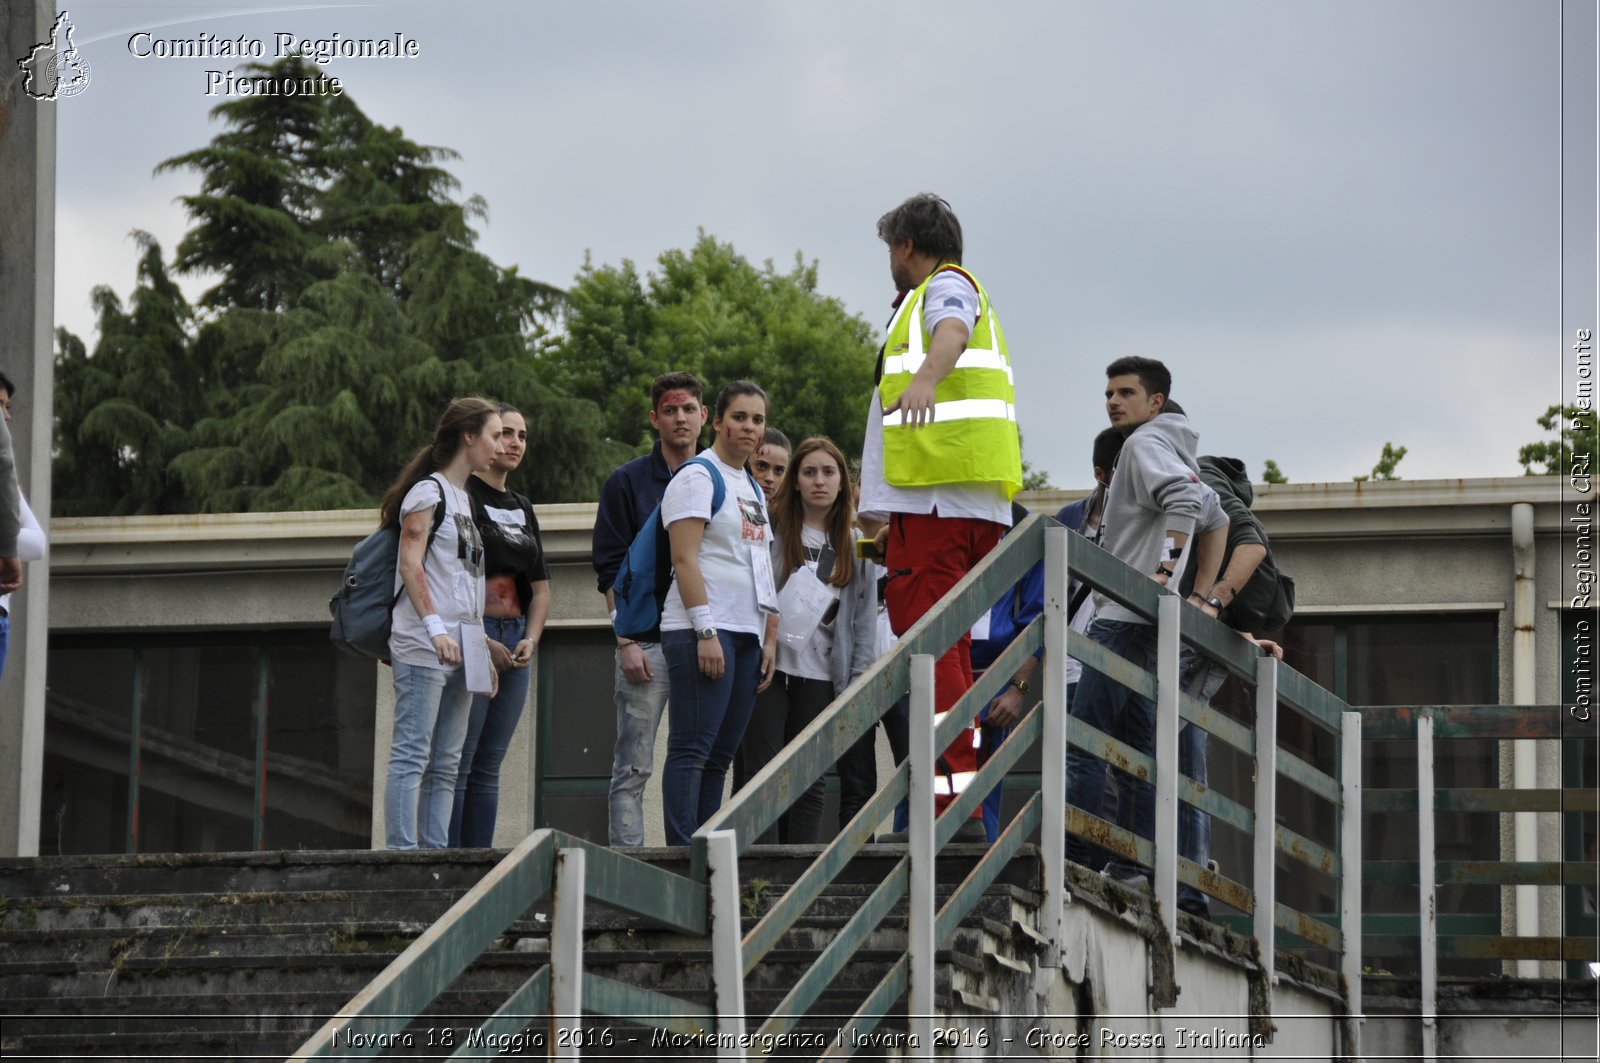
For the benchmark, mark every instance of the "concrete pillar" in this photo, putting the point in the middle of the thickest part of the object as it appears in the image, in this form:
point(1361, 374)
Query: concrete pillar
point(27, 339)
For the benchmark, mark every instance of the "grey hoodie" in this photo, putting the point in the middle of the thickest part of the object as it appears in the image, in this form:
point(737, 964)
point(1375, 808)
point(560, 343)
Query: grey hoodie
point(1156, 487)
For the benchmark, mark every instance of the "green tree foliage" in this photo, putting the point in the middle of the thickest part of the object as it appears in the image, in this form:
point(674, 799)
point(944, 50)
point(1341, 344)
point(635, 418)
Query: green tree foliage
point(707, 310)
point(1573, 450)
point(350, 305)
point(1270, 473)
point(1387, 461)
point(1035, 479)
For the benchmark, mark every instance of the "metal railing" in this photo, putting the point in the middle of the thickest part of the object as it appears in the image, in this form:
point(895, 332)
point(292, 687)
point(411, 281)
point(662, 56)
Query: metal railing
point(1428, 935)
point(909, 669)
point(707, 902)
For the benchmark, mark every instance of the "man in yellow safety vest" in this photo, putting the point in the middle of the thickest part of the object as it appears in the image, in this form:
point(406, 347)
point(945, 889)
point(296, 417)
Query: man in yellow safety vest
point(942, 458)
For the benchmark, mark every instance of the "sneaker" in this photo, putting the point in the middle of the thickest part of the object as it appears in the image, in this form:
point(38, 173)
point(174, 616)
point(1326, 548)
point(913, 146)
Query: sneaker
point(1131, 877)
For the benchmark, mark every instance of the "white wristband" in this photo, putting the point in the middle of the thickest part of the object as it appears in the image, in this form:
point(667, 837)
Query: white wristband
point(435, 625)
point(700, 617)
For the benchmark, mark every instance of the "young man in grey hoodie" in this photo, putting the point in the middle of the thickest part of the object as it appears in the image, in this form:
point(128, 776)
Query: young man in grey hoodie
point(1155, 506)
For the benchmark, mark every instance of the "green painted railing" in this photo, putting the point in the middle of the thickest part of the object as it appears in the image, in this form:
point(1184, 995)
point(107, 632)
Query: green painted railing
point(706, 901)
point(856, 712)
point(1427, 935)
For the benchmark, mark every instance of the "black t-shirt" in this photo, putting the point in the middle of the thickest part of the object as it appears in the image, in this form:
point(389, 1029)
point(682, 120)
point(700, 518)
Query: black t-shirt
point(510, 534)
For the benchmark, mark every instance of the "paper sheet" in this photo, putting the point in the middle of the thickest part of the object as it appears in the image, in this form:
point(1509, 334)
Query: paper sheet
point(475, 658)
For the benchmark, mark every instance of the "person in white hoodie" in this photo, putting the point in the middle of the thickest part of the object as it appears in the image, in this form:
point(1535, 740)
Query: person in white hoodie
point(1156, 509)
point(21, 538)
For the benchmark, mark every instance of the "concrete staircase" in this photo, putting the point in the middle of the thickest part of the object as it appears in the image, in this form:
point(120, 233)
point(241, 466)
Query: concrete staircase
point(244, 955)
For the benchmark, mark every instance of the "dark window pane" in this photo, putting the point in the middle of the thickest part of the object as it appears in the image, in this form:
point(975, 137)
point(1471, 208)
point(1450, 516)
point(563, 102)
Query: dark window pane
point(199, 736)
point(320, 709)
point(88, 713)
point(578, 730)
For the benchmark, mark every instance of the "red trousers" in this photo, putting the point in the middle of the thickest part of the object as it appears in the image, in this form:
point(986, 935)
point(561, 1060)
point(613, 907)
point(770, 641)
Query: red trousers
point(926, 556)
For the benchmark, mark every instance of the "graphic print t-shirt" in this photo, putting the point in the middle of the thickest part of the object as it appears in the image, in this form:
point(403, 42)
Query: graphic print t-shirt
point(737, 529)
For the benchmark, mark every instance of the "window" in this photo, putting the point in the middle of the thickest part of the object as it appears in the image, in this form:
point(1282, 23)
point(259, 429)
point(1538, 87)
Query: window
point(198, 742)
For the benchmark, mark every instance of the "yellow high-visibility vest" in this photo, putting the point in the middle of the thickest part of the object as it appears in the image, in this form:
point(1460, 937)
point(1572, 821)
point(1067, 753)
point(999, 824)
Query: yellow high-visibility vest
point(973, 437)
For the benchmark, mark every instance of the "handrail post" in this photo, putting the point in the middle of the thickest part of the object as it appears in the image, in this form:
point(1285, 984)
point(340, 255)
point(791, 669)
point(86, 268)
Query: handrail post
point(727, 958)
point(1350, 855)
point(1427, 890)
point(1266, 813)
point(1053, 743)
point(920, 928)
point(1166, 755)
point(566, 955)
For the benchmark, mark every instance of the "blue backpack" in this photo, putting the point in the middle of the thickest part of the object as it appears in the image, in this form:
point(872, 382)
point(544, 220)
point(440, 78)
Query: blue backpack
point(363, 610)
point(640, 589)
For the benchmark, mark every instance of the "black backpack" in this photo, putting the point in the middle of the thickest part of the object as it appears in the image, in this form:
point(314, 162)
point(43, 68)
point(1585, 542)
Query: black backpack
point(1266, 602)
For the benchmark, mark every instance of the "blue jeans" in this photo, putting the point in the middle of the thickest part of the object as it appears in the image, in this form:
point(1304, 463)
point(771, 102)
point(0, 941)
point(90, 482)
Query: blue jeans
point(1109, 706)
point(706, 719)
point(5, 639)
point(430, 724)
point(639, 708)
point(490, 725)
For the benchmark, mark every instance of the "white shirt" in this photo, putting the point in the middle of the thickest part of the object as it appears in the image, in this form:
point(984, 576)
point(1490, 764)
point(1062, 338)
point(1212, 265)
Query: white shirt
point(948, 294)
point(455, 583)
point(31, 544)
point(728, 564)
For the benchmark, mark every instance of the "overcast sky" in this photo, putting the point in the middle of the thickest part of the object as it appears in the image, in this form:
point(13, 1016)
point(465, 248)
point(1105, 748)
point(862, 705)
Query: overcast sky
point(1337, 222)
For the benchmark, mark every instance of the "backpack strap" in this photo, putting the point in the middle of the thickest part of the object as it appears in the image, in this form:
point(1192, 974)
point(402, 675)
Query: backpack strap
point(719, 489)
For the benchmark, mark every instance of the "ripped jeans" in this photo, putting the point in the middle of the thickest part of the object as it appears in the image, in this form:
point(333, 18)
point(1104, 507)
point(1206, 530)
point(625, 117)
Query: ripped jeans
point(639, 708)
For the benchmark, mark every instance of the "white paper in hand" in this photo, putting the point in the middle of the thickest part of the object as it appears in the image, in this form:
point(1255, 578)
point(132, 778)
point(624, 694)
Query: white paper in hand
point(475, 658)
point(802, 602)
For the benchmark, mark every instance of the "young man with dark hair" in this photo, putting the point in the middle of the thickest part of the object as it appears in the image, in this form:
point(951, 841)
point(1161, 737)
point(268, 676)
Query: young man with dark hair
point(629, 496)
point(1154, 505)
point(942, 458)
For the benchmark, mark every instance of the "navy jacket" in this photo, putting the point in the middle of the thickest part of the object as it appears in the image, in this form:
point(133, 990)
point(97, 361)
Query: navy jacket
point(1024, 602)
point(632, 492)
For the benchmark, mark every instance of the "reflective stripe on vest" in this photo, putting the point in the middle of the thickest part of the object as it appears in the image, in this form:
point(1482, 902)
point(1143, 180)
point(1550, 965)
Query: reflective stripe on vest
point(972, 358)
point(954, 783)
point(962, 410)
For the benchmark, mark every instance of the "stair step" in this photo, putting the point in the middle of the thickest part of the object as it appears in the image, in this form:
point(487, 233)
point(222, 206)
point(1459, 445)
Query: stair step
point(243, 956)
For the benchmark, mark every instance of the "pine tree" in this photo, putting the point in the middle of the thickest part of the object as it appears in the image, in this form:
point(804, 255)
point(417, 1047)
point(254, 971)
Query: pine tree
point(351, 305)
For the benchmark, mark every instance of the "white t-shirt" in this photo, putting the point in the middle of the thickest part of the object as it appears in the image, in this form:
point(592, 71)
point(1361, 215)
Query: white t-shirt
point(948, 294)
point(814, 659)
point(31, 544)
point(453, 567)
point(728, 551)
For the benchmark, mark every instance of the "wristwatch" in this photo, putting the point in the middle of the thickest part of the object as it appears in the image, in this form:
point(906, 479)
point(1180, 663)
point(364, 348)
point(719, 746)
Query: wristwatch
point(705, 633)
point(1215, 603)
point(1021, 685)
